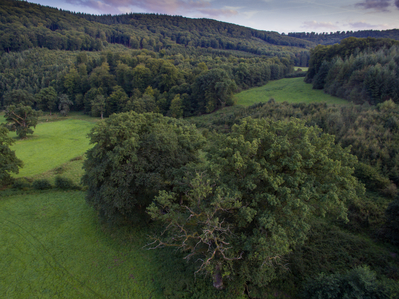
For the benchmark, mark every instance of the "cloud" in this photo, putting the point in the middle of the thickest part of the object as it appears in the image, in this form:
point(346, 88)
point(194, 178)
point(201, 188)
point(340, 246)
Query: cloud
point(362, 25)
point(397, 3)
point(171, 7)
point(318, 25)
point(379, 5)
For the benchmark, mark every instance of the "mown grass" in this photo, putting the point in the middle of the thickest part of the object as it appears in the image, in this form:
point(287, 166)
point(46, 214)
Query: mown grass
point(53, 246)
point(293, 90)
point(51, 145)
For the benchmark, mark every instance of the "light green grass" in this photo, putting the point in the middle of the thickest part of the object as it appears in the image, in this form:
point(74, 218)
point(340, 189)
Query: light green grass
point(53, 247)
point(303, 68)
point(293, 90)
point(52, 144)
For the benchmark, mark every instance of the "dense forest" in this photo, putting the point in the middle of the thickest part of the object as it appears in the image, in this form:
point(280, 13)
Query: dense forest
point(331, 38)
point(360, 70)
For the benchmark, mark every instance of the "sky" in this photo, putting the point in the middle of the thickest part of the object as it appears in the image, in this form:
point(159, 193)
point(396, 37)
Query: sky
point(270, 15)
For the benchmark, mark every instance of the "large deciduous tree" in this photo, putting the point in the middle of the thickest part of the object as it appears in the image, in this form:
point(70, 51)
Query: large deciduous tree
point(8, 160)
point(133, 157)
point(214, 89)
point(254, 202)
point(20, 119)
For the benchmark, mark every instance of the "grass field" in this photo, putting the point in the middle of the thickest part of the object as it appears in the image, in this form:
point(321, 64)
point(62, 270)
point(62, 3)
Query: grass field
point(303, 68)
point(52, 246)
point(293, 90)
point(52, 144)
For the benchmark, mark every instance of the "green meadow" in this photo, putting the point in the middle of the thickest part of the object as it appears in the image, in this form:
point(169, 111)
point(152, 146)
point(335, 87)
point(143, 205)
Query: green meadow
point(52, 144)
point(293, 90)
point(54, 246)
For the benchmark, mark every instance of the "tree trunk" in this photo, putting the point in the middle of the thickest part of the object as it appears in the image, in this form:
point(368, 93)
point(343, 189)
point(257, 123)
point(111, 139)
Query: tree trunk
point(217, 279)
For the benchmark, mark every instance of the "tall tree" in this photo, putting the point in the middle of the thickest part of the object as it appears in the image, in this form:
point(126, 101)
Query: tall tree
point(21, 118)
point(8, 160)
point(98, 105)
point(264, 183)
point(133, 157)
point(46, 98)
point(64, 104)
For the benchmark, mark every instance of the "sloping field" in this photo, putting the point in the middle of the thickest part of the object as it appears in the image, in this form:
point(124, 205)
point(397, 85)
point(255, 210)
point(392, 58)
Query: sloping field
point(293, 90)
point(52, 144)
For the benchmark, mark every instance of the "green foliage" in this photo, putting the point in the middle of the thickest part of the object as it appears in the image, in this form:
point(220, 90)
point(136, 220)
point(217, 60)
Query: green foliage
point(46, 98)
point(9, 163)
point(98, 105)
point(21, 184)
point(265, 182)
point(360, 70)
point(65, 183)
point(133, 157)
point(391, 232)
point(357, 283)
point(64, 104)
point(41, 184)
point(21, 118)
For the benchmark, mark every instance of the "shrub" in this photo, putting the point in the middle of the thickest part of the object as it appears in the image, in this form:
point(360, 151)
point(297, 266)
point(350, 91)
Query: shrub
point(21, 184)
point(65, 183)
point(392, 222)
point(42, 184)
point(358, 283)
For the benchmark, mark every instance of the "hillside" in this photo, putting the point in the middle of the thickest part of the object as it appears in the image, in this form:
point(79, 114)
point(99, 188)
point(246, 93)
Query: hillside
point(40, 26)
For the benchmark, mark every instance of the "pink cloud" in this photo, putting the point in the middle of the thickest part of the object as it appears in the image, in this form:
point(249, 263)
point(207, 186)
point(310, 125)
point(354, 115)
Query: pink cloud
point(318, 25)
point(171, 7)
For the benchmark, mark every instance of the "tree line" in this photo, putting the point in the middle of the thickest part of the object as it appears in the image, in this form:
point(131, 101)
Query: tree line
point(360, 70)
point(143, 81)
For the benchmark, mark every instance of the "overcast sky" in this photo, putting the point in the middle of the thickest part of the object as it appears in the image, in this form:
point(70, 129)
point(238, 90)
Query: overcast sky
point(271, 15)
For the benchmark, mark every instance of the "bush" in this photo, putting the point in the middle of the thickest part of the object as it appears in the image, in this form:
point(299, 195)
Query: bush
point(65, 183)
point(358, 283)
point(42, 184)
point(21, 184)
point(392, 222)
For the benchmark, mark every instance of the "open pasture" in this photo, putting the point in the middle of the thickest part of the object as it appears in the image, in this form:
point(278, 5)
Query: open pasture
point(52, 144)
point(293, 90)
point(53, 246)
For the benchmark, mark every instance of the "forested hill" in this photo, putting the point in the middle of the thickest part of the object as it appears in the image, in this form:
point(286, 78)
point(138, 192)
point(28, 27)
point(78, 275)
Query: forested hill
point(26, 25)
point(335, 37)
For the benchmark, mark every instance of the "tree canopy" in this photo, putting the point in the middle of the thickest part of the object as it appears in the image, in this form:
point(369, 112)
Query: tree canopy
point(21, 118)
point(8, 160)
point(133, 157)
point(253, 203)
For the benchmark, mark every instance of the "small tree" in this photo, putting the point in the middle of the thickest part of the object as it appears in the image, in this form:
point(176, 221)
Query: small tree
point(176, 107)
point(64, 104)
point(98, 105)
point(253, 204)
point(20, 119)
point(8, 161)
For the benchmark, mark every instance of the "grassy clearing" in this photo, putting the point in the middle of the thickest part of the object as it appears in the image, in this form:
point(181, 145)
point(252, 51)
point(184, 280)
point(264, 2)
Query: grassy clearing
point(293, 90)
point(52, 144)
point(54, 247)
point(303, 68)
